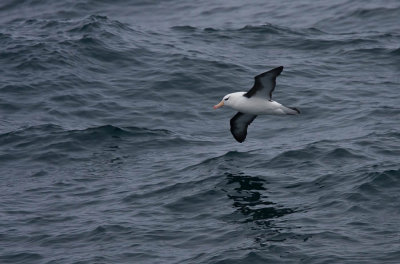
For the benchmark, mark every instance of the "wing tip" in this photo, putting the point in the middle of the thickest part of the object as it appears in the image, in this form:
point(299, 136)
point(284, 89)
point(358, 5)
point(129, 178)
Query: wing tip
point(239, 131)
point(276, 70)
point(240, 140)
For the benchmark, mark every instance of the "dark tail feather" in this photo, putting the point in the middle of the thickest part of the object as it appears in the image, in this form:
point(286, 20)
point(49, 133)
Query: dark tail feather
point(295, 109)
point(292, 111)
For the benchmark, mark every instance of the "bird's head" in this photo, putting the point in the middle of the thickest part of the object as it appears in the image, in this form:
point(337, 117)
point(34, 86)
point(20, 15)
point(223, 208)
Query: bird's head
point(224, 101)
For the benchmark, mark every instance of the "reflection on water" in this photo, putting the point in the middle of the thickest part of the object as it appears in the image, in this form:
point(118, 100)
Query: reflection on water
point(249, 196)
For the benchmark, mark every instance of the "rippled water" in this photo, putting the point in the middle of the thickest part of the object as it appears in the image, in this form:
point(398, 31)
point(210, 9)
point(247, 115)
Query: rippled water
point(110, 151)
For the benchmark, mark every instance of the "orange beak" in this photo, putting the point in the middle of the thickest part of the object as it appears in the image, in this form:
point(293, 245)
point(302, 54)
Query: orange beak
point(221, 104)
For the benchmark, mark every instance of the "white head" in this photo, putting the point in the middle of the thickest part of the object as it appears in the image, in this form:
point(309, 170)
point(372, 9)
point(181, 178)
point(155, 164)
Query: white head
point(228, 100)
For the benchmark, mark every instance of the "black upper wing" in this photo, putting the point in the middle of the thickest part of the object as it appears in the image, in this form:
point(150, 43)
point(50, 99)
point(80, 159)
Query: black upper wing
point(239, 124)
point(264, 84)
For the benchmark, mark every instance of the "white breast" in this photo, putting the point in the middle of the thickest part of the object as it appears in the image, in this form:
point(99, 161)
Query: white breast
point(256, 106)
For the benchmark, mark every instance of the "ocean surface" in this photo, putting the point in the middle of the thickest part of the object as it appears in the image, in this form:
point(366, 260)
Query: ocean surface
point(110, 151)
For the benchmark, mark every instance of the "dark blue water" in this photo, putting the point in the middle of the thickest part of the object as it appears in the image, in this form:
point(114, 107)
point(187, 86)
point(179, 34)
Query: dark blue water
point(110, 151)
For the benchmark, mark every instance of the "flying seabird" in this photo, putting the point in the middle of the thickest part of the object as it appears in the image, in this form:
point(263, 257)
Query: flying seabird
point(257, 101)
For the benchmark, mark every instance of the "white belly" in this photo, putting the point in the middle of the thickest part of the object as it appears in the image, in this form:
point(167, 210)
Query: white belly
point(259, 106)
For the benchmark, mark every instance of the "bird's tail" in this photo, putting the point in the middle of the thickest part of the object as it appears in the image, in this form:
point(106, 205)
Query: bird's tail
point(292, 111)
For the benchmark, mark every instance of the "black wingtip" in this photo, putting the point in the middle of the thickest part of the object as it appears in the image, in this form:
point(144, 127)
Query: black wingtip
point(278, 69)
point(275, 72)
point(239, 124)
point(240, 140)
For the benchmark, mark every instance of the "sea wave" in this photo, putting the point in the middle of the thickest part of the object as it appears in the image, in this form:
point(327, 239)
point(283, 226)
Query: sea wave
point(108, 140)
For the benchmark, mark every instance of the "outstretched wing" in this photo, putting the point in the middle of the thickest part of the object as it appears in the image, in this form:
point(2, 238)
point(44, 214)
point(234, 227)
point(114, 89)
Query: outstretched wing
point(239, 124)
point(264, 84)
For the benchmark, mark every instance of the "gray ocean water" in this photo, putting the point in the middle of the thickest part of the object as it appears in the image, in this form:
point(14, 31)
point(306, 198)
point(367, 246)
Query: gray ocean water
point(110, 151)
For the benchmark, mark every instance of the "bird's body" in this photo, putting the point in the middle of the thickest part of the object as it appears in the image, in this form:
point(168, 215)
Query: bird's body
point(257, 101)
point(257, 105)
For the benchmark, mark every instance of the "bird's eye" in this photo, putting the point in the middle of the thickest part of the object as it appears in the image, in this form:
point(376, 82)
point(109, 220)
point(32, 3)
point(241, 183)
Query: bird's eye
point(226, 99)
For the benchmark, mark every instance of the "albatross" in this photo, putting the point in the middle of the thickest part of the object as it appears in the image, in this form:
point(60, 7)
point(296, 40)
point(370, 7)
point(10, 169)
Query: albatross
point(257, 101)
